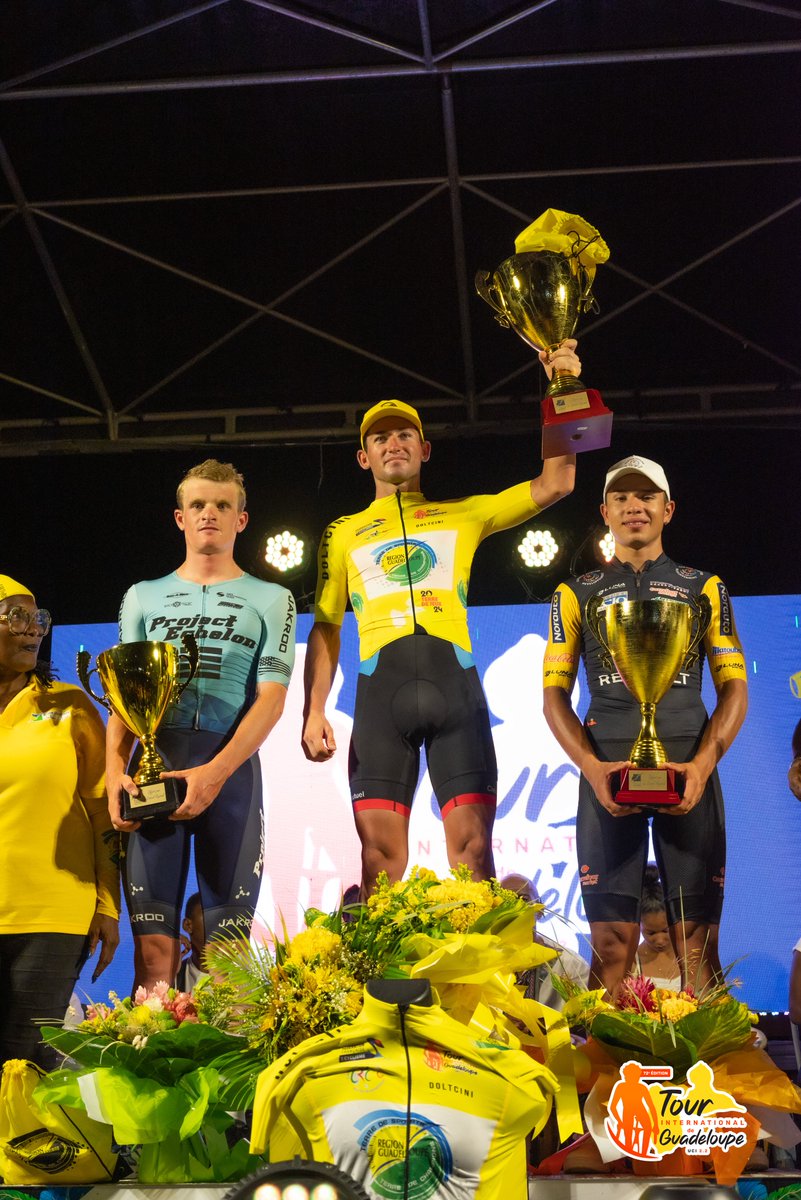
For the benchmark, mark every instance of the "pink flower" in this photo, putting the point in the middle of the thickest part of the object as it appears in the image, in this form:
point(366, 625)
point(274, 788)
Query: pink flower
point(101, 1011)
point(637, 994)
point(183, 1007)
point(159, 992)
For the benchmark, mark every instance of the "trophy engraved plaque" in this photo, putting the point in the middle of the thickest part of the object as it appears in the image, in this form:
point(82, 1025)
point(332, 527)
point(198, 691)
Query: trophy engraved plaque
point(647, 642)
point(140, 680)
point(540, 292)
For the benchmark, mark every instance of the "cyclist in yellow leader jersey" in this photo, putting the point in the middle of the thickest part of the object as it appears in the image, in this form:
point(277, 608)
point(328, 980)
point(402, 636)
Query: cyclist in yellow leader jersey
point(405, 564)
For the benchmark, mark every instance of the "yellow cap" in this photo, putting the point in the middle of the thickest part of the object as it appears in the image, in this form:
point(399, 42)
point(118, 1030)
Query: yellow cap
point(10, 587)
point(390, 408)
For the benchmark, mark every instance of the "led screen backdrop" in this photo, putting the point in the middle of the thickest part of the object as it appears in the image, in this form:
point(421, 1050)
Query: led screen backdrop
point(312, 851)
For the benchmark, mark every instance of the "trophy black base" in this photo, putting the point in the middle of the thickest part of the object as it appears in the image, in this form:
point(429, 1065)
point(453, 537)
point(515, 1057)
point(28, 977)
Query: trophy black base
point(653, 787)
point(574, 422)
point(157, 799)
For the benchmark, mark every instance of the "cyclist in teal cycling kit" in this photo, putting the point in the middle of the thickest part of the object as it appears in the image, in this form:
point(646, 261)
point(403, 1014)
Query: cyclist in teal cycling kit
point(245, 630)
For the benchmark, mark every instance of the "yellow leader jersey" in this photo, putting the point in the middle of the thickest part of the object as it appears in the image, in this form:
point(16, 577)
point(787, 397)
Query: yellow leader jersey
point(56, 846)
point(343, 1097)
point(407, 560)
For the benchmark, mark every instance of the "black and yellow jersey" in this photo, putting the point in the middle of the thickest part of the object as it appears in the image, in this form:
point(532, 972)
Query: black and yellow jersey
point(405, 563)
point(613, 712)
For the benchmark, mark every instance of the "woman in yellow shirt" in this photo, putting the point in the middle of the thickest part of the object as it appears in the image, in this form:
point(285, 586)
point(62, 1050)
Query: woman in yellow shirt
point(59, 879)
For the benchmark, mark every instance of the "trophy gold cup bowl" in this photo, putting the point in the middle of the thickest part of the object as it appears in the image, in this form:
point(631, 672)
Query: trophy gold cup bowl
point(647, 642)
point(540, 293)
point(140, 680)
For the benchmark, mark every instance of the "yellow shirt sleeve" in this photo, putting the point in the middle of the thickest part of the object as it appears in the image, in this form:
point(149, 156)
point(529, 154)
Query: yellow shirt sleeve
point(503, 510)
point(722, 643)
point(563, 651)
point(331, 597)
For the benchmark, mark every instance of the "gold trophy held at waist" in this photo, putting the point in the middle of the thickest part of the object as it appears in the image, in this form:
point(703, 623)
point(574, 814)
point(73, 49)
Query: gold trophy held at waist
point(140, 681)
point(647, 642)
point(540, 292)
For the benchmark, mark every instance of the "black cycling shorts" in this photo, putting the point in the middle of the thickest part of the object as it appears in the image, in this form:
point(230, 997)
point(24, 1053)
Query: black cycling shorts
point(690, 851)
point(421, 695)
point(228, 842)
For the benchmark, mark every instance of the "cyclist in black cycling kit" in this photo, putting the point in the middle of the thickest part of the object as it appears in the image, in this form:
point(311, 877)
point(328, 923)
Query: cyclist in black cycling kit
point(405, 564)
point(612, 840)
point(245, 629)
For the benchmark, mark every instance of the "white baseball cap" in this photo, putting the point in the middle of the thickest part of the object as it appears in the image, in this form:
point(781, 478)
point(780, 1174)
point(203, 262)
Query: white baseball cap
point(640, 466)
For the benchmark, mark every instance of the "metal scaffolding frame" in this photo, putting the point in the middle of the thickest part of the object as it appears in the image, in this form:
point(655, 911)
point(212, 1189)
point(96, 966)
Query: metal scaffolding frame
point(111, 425)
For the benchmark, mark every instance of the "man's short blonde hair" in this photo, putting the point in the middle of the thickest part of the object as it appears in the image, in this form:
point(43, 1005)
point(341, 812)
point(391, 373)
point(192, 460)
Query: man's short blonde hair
point(217, 472)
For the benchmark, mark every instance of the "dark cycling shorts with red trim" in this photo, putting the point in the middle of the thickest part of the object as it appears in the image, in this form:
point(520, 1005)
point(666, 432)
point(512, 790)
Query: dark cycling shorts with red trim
point(419, 693)
point(690, 849)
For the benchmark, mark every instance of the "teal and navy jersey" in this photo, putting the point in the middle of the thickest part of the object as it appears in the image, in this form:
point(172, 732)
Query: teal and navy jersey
point(245, 631)
point(613, 711)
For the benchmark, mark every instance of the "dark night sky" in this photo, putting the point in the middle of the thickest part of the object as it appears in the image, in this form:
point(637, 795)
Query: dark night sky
point(328, 200)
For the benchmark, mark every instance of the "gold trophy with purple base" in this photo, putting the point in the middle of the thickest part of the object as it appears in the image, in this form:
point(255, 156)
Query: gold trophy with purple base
point(647, 642)
point(140, 680)
point(540, 292)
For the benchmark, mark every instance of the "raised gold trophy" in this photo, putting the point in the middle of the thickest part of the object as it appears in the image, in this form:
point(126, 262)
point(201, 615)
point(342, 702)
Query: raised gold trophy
point(140, 680)
point(647, 642)
point(540, 292)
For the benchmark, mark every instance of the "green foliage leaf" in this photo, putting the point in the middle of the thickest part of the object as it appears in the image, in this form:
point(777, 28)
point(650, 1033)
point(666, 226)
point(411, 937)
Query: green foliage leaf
point(165, 1058)
point(704, 1034)
point(716, 1030)
point(632, 1035)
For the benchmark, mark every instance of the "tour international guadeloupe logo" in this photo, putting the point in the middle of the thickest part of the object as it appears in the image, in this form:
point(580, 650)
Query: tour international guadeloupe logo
point(650, 1116)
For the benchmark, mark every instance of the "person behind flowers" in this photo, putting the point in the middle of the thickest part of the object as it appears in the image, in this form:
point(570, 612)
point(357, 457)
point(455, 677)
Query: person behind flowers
point(655, 958)
point(405, 563)
point(59, 879)
point(612, 839)
point(191, 970)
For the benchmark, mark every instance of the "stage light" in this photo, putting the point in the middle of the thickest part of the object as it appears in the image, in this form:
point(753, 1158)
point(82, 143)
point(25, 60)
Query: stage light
point(298, 1180)
point(283, 553)
point(538, 549)
point(606, 546)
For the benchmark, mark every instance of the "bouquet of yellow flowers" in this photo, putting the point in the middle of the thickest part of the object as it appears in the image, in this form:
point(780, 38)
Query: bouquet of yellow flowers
point(658, 1025)
point(470, 939)
point(278, 996)
point(166, 1069)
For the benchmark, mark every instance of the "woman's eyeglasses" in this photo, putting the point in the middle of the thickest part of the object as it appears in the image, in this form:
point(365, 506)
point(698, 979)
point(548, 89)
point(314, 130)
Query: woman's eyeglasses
point(21, 620)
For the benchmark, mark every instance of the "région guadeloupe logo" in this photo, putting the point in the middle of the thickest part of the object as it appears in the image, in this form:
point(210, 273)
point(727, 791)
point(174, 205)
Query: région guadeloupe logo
point(649, 1116)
